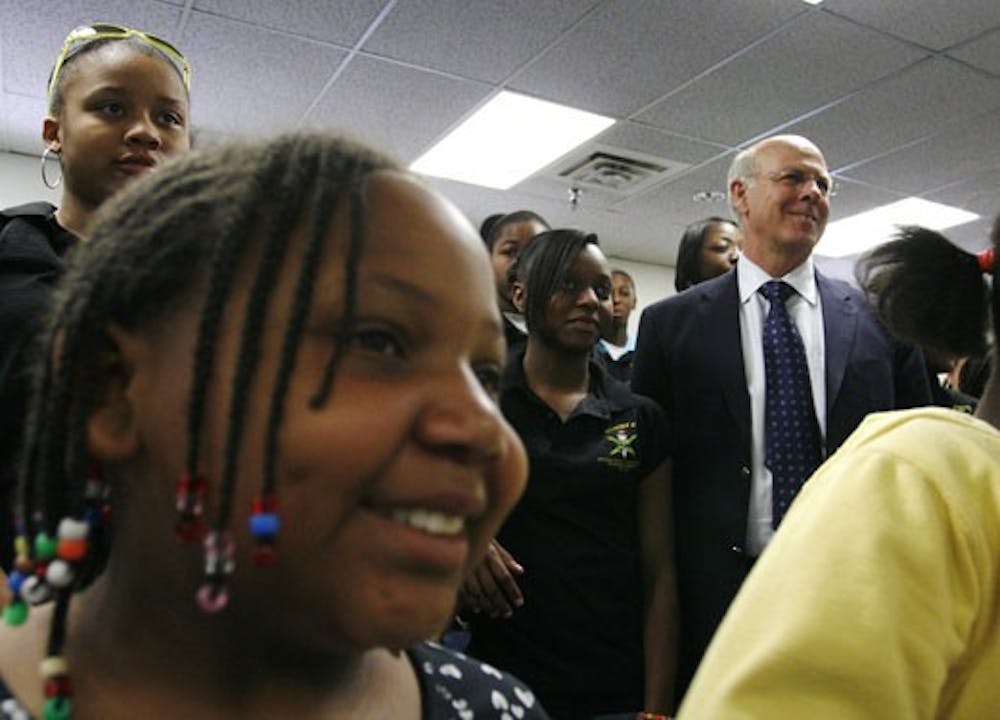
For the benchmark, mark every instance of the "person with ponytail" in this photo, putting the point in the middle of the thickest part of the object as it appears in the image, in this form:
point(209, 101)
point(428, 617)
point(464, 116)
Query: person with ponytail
point(118, 107)
point(878, 597)
point(264, 451)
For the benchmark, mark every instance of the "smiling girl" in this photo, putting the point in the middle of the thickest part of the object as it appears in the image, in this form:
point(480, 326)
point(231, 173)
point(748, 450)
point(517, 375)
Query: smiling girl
point(288, 356)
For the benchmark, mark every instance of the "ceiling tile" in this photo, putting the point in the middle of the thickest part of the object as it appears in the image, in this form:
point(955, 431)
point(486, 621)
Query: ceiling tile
point(402, 109)
point(342, 23)
point(241, 75)
point(482, 41)
point(983, 52)
point(950, 156)
point(628, 53)
point(811, 62)
point(897, 110)
point(935, 25)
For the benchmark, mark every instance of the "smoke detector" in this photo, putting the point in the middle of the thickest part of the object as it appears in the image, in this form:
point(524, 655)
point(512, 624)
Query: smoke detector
point(621, 172)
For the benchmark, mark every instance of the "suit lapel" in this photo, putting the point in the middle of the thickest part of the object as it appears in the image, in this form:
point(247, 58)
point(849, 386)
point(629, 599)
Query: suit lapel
point(720, 310)
point(839, 321)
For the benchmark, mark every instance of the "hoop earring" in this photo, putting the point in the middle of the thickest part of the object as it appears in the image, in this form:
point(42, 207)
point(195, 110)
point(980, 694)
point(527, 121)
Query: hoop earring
point(45, 177)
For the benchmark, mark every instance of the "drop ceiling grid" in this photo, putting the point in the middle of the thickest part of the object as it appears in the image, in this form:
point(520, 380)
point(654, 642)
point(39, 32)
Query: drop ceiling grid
point(672, 72)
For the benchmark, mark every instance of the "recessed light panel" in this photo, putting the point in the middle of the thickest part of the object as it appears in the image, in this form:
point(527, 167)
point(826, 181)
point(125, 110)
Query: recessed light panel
point(508, 139)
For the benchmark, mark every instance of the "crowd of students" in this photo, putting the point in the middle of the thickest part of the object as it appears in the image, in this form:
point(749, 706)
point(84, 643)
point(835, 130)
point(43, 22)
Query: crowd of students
point(273, 416)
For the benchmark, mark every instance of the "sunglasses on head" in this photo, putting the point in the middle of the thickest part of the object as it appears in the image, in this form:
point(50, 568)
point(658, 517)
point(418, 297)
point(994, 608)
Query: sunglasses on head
point(85, 34)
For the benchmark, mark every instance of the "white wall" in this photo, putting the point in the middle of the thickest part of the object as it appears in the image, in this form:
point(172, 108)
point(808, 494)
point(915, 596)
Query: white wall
point(652, 283)
point(21, 180)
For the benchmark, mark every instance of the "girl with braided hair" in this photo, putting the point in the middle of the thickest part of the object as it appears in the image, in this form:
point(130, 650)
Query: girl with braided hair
point(118, 107)
point(288, 356)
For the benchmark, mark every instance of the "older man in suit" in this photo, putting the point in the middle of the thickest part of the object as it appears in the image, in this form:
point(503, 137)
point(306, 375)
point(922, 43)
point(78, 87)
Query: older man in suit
point(763, 371)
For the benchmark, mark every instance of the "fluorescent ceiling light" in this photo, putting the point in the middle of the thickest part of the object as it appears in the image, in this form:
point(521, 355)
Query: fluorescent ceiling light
point(508, 139)
point(866, 230)
point(813, 2)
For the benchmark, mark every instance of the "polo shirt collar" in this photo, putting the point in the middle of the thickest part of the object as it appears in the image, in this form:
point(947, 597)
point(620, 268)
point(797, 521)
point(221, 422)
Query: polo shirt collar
point(605, 397)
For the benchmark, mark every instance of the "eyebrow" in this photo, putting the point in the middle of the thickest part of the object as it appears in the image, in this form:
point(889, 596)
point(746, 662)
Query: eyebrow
point(417, 294)
point(121, 89)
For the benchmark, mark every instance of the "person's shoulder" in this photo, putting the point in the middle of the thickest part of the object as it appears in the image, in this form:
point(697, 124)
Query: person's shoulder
point(458, 686)
point(30, 231)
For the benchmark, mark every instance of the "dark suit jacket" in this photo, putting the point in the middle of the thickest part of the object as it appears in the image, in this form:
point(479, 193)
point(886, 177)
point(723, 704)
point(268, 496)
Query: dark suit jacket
point(689, 358)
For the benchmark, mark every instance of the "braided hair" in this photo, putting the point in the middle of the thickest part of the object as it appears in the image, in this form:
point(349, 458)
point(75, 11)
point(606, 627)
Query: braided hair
point(175, 236)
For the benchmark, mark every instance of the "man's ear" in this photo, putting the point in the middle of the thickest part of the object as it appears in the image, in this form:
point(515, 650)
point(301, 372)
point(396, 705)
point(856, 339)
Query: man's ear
point(51, 134)
point(112, 432)
point(518, 296)
point(738, 195)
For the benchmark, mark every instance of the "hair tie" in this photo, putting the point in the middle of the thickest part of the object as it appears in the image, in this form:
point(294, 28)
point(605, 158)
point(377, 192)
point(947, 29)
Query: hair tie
point(987, 260)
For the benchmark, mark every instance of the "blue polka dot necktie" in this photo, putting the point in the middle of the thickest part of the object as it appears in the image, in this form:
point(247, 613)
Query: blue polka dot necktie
point(791, 435)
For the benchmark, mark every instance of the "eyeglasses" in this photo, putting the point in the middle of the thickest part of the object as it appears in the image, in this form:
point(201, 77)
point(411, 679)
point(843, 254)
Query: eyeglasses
point(797, 178)
point(85, 34)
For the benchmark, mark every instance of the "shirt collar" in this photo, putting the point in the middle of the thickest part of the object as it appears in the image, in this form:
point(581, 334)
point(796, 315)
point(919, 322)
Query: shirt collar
point(606, 395)
point(749, 278)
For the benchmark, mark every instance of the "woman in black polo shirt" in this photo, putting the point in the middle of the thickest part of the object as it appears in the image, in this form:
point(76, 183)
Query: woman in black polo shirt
point(590, 620)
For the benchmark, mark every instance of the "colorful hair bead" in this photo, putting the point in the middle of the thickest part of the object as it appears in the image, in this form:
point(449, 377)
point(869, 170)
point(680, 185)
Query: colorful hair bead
point(59, 574)
point(15, 612)
point(45, 546)
point(58, 689)
point(190, 504)
point(264, 526)
point(72, 544)
point(220, 552)
point(986, 260)
point(35, 591)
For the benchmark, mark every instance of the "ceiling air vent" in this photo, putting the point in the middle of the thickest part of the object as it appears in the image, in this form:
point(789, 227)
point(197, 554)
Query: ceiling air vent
point(617, 172)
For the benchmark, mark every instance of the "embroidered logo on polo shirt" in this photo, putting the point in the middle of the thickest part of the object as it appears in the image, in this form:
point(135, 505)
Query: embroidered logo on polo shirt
point(622, 453)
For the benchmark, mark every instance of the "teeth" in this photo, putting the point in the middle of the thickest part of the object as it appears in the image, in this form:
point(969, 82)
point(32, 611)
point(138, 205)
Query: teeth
point(430, 521)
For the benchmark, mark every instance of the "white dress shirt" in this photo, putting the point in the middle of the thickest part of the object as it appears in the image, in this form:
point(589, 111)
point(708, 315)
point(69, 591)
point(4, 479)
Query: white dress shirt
point(807, 313)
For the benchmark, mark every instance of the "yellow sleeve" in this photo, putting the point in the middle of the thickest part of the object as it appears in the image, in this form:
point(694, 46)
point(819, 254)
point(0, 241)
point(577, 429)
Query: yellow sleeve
point(860, 607)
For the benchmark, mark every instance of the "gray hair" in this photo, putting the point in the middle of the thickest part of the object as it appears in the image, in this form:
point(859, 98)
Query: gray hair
point(743, 167)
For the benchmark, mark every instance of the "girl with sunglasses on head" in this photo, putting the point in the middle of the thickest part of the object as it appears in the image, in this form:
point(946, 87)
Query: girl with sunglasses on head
point(879, 595)
point(577, 595)
point(117, 108)
point(273, 369)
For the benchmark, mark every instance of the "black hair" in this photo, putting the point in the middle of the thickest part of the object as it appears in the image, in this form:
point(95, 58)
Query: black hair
point(86, 47)
point(503, 221)
point(928, 291)
point(172, 238)
point(542, 267)
point(688, 271)
point(487, 225)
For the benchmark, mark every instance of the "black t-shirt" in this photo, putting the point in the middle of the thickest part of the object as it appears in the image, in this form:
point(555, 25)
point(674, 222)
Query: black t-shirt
point(32, 246)
point(578, 638)
point(452, 687)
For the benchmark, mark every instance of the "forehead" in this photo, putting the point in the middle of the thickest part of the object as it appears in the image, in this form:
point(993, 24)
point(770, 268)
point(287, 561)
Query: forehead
point(590, 260)
point(776, 154)
point(520, 231)
point(414, 231)
point(720, 229)
point(121, 63)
